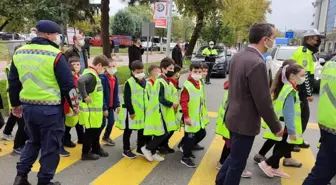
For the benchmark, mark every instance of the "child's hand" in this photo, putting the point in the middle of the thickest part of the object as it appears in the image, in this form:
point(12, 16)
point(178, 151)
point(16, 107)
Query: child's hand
point(105, 113)
point(187, 121)
point(132, 116)
point(118, 110)
point(87, 99)
point(175, 105)
point(292, 137)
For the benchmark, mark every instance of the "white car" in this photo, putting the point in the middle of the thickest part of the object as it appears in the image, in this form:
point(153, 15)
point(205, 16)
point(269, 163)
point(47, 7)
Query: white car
point(281, 53)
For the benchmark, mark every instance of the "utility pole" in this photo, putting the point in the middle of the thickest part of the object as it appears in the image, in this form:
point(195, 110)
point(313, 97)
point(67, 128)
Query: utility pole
point(170, 12)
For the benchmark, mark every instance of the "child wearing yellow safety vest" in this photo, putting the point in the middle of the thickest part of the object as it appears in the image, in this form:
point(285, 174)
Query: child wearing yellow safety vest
point(165, 105)
point(225, 133)
point(192, 105)
point(91, 108)
point(287, 107)
point(133, 111)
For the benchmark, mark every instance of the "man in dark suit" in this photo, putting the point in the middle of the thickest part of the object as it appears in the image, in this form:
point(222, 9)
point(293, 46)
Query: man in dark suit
point(177, 54)
point(135, 52)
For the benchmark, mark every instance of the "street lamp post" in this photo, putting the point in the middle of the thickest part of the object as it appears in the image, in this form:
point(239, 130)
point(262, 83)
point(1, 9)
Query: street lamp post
point(170, 6)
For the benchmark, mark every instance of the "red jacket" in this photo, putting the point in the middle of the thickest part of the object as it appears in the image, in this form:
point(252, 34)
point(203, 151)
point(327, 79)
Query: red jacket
point(185, 98)
point(66, 103)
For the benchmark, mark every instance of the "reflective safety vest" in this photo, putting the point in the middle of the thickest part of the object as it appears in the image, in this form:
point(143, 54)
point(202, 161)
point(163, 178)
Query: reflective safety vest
point(327, 101)
point(194, 108)
point(305, 59)
point(176, 99)
point(91, 115)
point(208, 51)
point(139, 102)
point(7, 69)
point(278, 108)
point(153, 122)
point(220, 123)
point(206, 119)
point(35, 65)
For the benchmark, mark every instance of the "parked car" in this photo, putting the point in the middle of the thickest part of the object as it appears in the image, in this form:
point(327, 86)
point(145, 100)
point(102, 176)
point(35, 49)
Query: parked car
point(281, 53)
point(221, 67)
point(151, 46)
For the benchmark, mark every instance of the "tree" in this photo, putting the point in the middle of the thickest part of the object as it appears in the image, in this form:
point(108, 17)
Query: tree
point(124, 23)
point(182, 27)
point(104, 8)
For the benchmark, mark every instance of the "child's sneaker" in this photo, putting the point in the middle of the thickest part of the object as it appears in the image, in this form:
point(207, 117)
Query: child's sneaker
point(259, 158)
point(64, 153)
point(90, 157)
point(103, 153)
point(280, 173)
point(219, 166)
point(266, 169)
point(246, 174)
point(139, 152)
point(291, 163)
point(147, 153)
point(188, 162)
point(157, 157)
point(129, 154)
point(7, 137)
point(198, 147)
point(181, 149)
point(109, 142)
point(17, 151)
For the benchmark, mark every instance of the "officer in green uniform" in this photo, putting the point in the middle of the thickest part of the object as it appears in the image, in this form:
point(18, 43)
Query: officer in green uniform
point(325, 166)
point(210, 54)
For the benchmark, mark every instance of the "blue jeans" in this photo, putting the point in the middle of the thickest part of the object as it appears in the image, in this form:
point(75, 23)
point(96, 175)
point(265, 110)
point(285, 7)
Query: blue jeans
point(234, 165)
point(325, 165)
point(110, 123)
point(45, 129)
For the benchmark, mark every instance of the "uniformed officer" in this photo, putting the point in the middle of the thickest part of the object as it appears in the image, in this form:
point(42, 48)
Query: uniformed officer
point(210, 53)
point(304, 56)
point(39, 78)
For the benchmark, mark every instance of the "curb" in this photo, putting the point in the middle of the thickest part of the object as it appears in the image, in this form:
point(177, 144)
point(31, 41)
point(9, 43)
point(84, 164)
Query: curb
point(183, 71)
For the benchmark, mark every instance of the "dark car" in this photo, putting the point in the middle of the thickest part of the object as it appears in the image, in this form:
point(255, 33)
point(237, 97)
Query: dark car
point(221, 67)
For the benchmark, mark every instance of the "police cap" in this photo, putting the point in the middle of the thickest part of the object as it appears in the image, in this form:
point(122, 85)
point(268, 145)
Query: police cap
point(313, 32)
point(47, 26)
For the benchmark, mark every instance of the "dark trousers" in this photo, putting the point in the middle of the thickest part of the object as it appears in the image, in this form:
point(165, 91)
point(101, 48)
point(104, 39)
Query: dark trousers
point(165, 143)
point(91, 141)
point(2, 121)
point(141, 141)
point(20, 136)
point(157, 141)
point(281, 148)
point(88, 51)
point(305, 114)
point(269, 143)
point(190, 140)
point(79, 130)
point(208, 76)
point(225, 154)
point(110, 123)
point(45, 129)
point(10, 124)
point(325, 165)
point(234, 165)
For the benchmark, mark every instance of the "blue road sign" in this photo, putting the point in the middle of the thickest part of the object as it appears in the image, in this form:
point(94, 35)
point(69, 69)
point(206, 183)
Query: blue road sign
point(289, 34)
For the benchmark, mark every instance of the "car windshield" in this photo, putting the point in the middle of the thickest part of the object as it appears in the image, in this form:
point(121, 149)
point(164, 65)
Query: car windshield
point(220, 50)
point(284, 54)
point(333, 59)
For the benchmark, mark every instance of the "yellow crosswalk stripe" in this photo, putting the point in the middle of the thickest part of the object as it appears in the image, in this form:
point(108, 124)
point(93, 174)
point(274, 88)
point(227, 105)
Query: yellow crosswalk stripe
point(206, 172)
point(297, 175)
point(6, 147)
point(75, 154)
point(134, 170)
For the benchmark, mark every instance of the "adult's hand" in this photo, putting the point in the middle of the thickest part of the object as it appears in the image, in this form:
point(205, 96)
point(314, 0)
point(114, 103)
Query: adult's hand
point(17, 111)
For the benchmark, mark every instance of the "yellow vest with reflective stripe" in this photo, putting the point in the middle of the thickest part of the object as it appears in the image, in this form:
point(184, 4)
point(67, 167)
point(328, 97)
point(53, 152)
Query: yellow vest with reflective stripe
point(278, 108)
point(7, 72)
point(305, 59)
point(208, 52)
point(220, 123)
point(35, 65)
point(194, 108)
point(139, 102)
point(153, 122)
point(168, 113)
point(205, 115)
point(91, 115)
point(178, 112)
point(327, 101)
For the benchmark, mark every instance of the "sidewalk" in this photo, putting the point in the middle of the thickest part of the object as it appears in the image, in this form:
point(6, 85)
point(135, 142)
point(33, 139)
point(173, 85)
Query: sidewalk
point(122, 60)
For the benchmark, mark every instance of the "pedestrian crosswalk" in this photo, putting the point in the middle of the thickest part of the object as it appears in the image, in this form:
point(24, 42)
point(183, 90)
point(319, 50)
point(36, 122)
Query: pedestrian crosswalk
point(139, 171)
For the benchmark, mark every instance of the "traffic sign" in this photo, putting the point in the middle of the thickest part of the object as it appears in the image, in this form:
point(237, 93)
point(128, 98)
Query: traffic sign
point(289, 34)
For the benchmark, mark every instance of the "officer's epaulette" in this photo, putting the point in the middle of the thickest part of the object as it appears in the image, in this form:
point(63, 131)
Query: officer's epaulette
point(304, 49)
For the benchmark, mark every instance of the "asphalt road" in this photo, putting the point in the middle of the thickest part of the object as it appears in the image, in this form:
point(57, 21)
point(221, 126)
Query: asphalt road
point(116, 170)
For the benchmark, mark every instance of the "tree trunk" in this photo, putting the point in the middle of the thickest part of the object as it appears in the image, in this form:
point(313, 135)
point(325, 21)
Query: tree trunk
point(105, 21)
point(4, 24)
point(195, 34)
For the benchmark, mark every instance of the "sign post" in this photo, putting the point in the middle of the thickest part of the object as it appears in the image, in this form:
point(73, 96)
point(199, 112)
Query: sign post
point(148, 30)
point(289, 34)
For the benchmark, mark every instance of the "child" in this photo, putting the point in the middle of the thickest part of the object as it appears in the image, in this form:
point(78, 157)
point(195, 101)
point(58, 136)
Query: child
point(111, 100)
point(287, 107)
point(191, 99)
point(155, 72)
point(205, 108)
point(269, 143)
point(132, 116)
point(71, 120)
point(168, 99)
point(91, 108)
point(225, 133)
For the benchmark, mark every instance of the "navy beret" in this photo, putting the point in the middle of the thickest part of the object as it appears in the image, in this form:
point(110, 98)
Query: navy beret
point(46, 26)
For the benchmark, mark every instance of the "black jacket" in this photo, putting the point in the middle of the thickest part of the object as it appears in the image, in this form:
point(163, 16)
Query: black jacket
point(135, 53)
point(177, 55)
point(74, 52)
point(1, 104)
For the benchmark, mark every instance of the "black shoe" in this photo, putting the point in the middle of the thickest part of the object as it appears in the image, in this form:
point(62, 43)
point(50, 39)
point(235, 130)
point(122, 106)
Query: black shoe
point(103, 153)
point(80, 142)
point(50, 183)
point(208, 83)
point(90, 157)
point(20, 180)
point(69, 144)
point(296, 148)
point(198, 147)
point(170, 150)
point(188, 162)
point(163, 150)
point(139, 152)
point(192, 156)
point(304, 145)
point(129, 154)
point(109, 142)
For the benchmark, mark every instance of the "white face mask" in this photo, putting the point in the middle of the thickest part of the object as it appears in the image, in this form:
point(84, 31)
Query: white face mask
point(301, 81)
point(211, 46)
point(112, 71)
point(158, 75)
point(82, 42)
point(268, 47)
point(196, 76)
point(57, 41)
point(140, 76)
